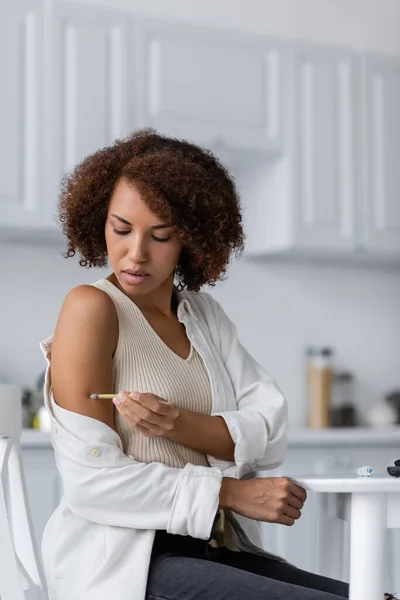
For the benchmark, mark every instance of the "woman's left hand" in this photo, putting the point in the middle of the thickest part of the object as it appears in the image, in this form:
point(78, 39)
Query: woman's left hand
point(148, 413)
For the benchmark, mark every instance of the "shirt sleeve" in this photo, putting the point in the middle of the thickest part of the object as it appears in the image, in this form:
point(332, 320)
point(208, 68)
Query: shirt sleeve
point(259, 425)
point(103, 485)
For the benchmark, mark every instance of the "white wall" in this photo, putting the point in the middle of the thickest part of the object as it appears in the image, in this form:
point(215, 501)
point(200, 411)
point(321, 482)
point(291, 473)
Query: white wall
point(278, 308)
point(371, 24)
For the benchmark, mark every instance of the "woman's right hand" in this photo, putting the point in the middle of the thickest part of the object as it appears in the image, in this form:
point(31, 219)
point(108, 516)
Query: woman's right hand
point(270, 499)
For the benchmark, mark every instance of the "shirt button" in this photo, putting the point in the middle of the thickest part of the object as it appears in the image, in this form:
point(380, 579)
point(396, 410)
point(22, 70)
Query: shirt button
point(55, 428)
point(130, 456)
point(95, 452)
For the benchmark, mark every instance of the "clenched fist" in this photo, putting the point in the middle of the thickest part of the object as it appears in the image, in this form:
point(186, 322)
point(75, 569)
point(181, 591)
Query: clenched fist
point(271, 499)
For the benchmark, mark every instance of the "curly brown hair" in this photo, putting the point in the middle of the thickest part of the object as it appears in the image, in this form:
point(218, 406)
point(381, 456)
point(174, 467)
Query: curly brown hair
point(180, 182)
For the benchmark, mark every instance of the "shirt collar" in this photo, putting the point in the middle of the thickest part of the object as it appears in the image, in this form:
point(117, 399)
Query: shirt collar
point(184, 306)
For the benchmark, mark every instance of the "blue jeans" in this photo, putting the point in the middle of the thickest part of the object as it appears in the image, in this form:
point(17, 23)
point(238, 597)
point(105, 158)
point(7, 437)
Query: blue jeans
point(182, 568)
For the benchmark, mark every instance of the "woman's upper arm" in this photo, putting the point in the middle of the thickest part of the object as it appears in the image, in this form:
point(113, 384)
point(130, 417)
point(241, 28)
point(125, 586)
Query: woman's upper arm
point(82, 351)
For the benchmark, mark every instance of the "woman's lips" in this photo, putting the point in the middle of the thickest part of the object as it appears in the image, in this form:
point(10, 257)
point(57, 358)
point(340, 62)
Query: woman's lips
point(134, 279)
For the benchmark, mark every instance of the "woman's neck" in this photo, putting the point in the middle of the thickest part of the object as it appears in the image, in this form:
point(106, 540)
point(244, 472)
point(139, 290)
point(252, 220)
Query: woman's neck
point(162, 301)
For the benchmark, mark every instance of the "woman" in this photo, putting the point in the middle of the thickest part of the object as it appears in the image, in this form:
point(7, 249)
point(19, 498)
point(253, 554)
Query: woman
point(145, 475)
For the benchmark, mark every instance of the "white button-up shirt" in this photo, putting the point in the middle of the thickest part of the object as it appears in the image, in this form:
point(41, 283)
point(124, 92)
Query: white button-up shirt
point(97, 544)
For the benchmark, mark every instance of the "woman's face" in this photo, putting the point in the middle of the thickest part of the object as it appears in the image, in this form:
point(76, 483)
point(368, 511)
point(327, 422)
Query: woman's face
point(143, 251)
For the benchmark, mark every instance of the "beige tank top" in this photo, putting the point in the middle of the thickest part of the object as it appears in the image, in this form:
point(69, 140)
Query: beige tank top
point(144, 363)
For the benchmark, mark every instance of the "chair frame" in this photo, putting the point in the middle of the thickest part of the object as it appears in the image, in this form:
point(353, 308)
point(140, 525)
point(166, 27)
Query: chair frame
point(21, 570)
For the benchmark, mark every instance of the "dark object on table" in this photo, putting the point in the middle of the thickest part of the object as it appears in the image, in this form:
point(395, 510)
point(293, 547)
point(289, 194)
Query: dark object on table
point(394, 471)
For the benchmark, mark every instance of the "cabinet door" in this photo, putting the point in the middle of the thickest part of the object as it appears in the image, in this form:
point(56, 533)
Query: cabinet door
point(21, 60)
point(326, 173)
point(91, 73)
point(216, 88)
point(382, 150)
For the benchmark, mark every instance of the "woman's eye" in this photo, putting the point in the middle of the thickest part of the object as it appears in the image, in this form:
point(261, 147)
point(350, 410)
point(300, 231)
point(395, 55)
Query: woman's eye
point(126, 232)
point(121, 232)
point(157, 239)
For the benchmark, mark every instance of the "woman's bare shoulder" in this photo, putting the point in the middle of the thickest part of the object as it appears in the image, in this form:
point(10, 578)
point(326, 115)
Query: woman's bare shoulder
point(82, 350)
point(88, 298)
point(87, 310)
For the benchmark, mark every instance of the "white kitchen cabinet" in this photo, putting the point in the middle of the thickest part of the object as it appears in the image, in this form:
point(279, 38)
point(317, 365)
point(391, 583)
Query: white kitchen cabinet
point(91, 75)
point(21, 118)
point(306, 203)
point(311, 132)
point(326, 148)
point(217, 88)
point(382, 155)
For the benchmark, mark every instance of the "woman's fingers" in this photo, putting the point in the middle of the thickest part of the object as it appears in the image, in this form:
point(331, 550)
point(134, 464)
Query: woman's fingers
point(295, 502)
point(147, 413)
point(291, 512)
point(298, 491)
point(285, 520)
point(144, 414)
point(139, 414)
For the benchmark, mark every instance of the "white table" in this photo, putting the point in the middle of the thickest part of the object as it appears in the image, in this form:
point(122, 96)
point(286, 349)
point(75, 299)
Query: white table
point(371, 505)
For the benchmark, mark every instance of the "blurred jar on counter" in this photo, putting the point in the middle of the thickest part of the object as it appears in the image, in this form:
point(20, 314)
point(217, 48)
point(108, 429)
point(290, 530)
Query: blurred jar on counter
point(319, 385)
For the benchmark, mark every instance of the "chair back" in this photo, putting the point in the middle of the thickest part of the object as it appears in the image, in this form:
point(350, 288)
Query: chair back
point(21, 571)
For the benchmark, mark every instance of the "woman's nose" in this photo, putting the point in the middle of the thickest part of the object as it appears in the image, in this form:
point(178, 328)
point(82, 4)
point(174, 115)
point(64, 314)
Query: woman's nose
point(138, 251)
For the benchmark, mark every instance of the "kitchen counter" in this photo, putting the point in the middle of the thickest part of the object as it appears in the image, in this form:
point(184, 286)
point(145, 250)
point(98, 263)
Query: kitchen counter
point(345, 436)
point(298, 438)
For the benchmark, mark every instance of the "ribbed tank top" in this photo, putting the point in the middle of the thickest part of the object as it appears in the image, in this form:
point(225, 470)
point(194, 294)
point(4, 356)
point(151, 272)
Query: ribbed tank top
point(144, 363)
